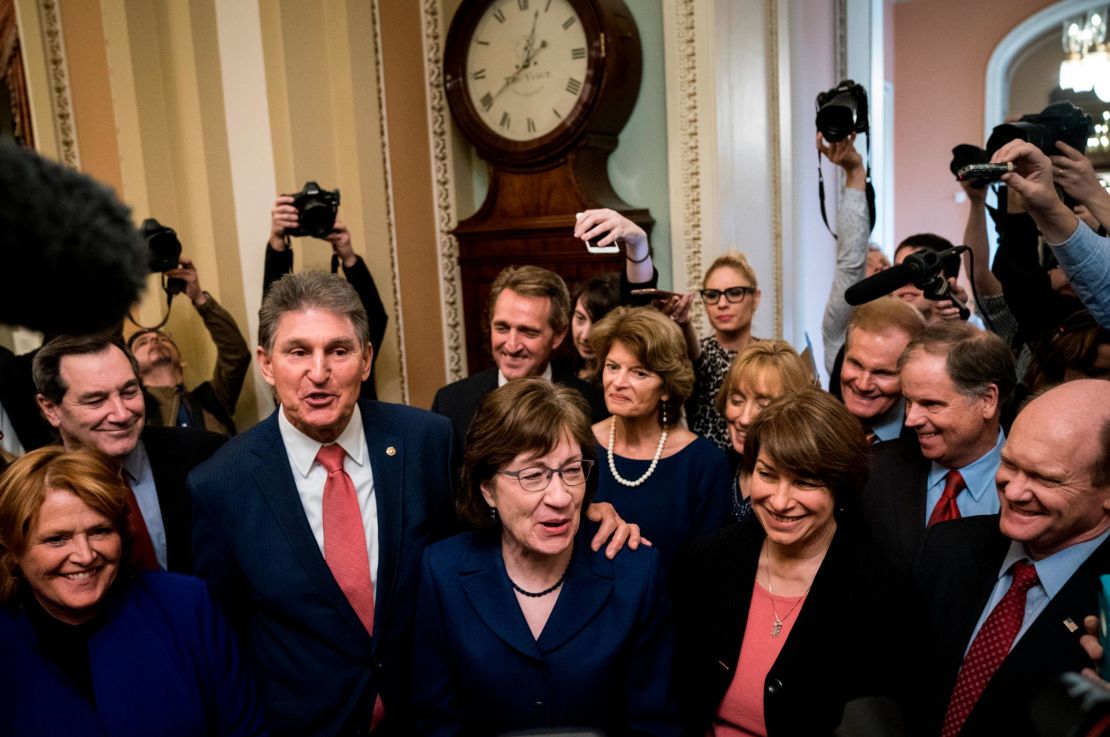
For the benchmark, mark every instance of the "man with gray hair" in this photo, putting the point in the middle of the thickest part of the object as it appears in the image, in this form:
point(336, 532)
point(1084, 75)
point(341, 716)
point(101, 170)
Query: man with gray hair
point(311, 526)
point(955, 380)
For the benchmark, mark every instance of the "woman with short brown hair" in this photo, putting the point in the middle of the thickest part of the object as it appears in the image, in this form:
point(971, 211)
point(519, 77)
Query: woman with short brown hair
point(769, 610)
point(518, 624)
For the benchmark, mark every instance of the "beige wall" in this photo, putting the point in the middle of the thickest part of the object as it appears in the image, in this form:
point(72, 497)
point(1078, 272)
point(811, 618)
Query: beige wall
point(157, 90)
point(941, 50)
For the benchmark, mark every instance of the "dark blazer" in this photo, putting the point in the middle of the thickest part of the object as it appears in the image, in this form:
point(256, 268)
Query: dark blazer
point(174, 452)
point(458, 401)
point(848, 641)
point(957, 571)
point(318, 669)
point(162, 661)
point(17, 394)
point(893, 500)
point(603, 659)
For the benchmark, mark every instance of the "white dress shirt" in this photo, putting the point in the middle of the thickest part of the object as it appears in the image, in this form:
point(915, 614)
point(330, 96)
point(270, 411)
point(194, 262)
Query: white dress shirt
point(310, 477)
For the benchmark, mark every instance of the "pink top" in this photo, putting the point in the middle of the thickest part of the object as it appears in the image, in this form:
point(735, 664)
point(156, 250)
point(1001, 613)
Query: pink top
point(741, 711)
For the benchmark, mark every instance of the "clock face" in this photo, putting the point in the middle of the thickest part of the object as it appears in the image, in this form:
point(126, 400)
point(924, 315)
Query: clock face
point(526, 66)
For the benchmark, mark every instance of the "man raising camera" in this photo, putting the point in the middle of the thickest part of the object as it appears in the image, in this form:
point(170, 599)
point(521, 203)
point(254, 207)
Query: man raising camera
point(285, 217)
point(211, 405)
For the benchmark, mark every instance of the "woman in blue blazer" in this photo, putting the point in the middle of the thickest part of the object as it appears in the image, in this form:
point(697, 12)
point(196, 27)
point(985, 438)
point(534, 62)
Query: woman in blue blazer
point(88, 648)
point(519, 625)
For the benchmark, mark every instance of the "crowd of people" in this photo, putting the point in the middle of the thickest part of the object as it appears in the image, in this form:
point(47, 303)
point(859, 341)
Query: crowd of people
point(663, 535)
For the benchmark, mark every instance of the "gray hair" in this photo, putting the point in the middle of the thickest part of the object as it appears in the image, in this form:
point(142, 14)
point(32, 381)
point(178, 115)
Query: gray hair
point(311, 290)
point(974, 358)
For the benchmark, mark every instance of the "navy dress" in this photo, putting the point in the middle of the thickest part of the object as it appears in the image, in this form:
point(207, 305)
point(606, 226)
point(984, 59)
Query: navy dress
point(602, 661)
point(688, 495)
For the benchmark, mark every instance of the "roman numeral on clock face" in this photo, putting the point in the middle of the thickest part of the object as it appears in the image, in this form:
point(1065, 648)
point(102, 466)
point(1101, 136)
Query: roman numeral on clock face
point(573, 86)
point(487, 101)
point(499, 14)
point(579, 53)
point(569, 22)
point(505, 120)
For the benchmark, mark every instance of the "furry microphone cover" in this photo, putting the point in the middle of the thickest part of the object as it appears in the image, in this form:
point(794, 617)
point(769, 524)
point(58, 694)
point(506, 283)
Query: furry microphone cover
point(71, 261)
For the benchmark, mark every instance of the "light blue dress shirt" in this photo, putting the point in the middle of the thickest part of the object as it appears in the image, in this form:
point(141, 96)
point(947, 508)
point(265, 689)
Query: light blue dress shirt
point(891, 427)
point(1053, 572)
point(981, 495)
point(137, 466)
point(1085, 258)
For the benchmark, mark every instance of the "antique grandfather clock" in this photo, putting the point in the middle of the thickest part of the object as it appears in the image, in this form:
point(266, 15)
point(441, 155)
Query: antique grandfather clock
point(541, 88)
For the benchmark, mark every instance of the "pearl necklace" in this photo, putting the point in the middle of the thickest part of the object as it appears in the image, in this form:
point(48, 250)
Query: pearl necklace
point(613, 466)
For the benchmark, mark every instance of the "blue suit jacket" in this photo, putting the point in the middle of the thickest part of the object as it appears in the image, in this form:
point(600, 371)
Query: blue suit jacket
point(603, 659)
point(163, 662)
point(317, 668)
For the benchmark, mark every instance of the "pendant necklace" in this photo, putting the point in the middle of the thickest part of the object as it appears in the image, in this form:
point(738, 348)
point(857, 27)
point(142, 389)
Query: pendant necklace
point(613, 466)
point(776, 628)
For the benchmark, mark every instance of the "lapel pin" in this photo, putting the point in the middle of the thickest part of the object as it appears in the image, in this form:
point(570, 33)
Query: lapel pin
point(391, 451)
point(1072, 626)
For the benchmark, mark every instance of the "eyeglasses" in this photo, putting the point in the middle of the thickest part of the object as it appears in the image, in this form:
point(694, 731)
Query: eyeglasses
point(538, 478)
point(732, 294)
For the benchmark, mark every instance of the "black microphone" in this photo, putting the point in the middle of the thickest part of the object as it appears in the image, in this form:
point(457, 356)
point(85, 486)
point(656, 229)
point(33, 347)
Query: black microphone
point(73, 261)
point(912, 269)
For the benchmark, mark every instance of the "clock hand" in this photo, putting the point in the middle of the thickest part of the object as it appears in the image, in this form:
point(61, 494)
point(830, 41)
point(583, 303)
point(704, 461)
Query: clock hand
point(530, 53)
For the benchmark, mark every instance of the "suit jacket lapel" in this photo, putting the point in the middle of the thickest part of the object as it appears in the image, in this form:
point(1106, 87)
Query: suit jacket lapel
point(911, 511)
point(387, 462)
point(483, 578)
point(275, 482)
point(588, 586)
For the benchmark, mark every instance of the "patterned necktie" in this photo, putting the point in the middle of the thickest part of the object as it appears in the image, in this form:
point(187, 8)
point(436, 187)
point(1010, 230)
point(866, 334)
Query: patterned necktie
point(345, 544)
point(990, 648)
point(142, 547)
point(946, 508)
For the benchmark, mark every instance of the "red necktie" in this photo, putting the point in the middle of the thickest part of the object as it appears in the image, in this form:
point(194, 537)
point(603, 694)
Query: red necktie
point(142, 547)
point(946, 508)
point(345, 544)
point(990, 648)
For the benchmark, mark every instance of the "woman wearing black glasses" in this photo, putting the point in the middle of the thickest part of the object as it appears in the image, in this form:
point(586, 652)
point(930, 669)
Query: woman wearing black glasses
point(519, 625)
point(731, 295)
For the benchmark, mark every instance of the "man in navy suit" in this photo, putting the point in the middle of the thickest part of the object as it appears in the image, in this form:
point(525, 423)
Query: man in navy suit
point(259, 531)
point(1054, 488)
point(90, 391)
point(262, 503)
point(529, 312)
point(956, 379)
